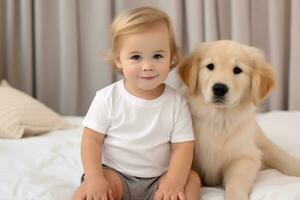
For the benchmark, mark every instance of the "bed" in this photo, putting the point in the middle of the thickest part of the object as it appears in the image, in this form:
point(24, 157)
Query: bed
point(48, 166)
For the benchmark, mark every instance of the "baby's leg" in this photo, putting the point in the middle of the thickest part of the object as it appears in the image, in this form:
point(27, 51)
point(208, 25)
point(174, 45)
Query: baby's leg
point(114, 181)
point(192, 187)
point(79, 193)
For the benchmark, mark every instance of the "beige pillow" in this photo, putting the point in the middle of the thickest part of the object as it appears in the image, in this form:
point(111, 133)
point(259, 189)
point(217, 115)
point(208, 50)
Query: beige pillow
point(22, 115)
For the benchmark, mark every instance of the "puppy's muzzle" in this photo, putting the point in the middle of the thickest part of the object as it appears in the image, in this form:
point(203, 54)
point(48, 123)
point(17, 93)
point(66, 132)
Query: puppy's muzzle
point(219, 90)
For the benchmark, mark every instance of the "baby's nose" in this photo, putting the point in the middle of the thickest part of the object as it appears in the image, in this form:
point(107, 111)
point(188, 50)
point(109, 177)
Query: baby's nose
point(147, 66)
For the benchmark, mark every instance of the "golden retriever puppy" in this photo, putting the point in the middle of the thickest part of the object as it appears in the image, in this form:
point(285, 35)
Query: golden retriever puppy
point(225, 82)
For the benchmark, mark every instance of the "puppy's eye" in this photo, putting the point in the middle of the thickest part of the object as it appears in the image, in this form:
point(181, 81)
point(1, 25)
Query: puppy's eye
point(237, 70)
point(210, 66)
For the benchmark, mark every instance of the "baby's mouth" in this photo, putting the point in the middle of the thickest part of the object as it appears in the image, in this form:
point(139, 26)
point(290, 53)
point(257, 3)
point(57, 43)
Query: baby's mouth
point(148, 77)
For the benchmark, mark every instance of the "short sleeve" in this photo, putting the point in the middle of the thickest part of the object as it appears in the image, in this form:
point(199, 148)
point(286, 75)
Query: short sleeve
point(183, 128)
point(97, 117)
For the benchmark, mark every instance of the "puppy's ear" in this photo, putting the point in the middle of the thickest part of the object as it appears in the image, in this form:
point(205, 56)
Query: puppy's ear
point(188, 71)
point(263, 79)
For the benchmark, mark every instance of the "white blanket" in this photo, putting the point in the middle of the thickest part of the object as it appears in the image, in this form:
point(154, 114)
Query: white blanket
point(48, 167)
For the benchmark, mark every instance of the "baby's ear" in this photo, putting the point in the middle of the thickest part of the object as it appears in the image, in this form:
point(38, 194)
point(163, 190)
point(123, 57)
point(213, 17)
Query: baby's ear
point(263, 79)
point(188, 71)
point(118, 63)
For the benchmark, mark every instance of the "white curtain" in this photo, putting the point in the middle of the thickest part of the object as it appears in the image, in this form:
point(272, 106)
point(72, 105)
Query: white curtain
point(54, 49)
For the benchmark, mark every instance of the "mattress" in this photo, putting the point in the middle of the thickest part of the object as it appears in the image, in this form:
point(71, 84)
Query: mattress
point(48, 166)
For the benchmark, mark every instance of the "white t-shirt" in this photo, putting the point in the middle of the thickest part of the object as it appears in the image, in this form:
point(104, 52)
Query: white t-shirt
point(139, 132)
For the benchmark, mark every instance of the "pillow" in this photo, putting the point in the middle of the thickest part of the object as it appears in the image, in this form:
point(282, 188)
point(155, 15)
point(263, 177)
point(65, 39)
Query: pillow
point(22, 115)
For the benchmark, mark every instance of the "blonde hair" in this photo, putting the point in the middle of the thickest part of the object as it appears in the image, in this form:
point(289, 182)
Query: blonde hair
point(137, 20)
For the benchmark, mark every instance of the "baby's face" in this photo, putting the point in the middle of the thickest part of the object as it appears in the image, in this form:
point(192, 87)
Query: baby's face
point(145, 57)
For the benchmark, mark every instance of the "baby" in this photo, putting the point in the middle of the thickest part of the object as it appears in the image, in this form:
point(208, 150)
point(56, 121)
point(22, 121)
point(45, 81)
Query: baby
point(138, 138)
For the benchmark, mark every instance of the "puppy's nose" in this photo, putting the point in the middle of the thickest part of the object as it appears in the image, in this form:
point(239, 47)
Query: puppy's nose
point(220, 89)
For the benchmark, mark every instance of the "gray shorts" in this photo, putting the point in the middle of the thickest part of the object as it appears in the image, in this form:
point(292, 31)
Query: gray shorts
point(136, 188)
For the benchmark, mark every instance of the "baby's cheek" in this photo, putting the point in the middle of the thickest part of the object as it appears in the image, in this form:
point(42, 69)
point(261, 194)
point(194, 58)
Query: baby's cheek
point(129, 71)
point(165, 68)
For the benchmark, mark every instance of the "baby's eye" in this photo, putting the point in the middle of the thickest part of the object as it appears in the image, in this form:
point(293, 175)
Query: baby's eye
point(157, 56)
point(136, 57)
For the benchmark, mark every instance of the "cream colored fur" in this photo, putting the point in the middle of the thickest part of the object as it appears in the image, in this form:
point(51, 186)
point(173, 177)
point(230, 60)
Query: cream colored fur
point(230, 146)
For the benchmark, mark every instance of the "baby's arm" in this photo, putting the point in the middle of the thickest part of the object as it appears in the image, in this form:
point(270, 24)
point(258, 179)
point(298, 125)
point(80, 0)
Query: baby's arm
point(181, 162)
point(96, 186)
point(179, 168)
point(91, 153)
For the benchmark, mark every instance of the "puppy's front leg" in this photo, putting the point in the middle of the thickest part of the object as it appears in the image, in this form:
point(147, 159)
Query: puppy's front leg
point(239, 177)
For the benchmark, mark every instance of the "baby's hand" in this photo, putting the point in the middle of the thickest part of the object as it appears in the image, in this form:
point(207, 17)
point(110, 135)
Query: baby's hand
point(169, 190)
point(97, 188)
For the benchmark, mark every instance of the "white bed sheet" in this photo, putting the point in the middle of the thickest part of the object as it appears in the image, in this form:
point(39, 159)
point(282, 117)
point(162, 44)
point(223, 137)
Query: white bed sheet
point(48, 167)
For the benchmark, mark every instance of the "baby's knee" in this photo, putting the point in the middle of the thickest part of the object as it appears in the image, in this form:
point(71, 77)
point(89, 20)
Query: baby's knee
point(115, 183)
point(117, 191)
point(79, 193)
point(194, 178)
